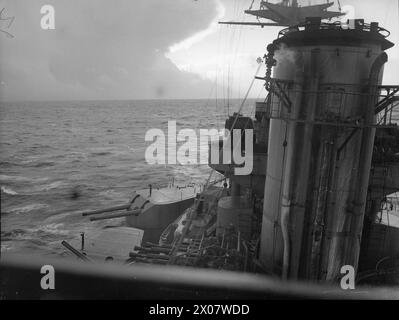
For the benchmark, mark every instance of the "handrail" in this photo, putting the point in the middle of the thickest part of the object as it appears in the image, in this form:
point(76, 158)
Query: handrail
point(338, 25)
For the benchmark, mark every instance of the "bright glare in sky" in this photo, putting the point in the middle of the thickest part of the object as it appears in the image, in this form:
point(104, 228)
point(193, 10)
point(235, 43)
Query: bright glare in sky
point(227, 54)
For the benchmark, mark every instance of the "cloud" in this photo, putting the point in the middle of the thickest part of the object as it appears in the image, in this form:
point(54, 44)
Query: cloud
point(101, 49)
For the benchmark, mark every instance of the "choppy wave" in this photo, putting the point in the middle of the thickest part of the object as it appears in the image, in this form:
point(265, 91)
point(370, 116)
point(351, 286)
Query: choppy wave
point(33, 234)
point(56, 149)
point(101, 153)
point(73, 155)
point(27, 164)
point(52, 228)
point(59, 216)
point(13, 234)
point(8, 190)
point(50, 186)
point(44, 164)
point(4, 177)
point(7, 178)
point(28, 208)
point(8, 164)
point(111, 194)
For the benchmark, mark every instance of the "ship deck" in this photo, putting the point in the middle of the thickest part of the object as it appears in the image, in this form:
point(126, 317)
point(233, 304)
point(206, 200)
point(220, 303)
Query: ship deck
point(168, 194)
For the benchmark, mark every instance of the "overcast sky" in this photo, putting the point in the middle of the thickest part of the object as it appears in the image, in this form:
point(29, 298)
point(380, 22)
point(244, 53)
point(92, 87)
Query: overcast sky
point(140, 49)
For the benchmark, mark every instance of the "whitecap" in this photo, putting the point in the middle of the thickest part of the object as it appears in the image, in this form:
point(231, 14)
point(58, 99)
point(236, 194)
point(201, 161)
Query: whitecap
point(8, 191)
point(111, 194)
point(28, 208)
point(62, 215)
point(52, 228)
point(47, 187)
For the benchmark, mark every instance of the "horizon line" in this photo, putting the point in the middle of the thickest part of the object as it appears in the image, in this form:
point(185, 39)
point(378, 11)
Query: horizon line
point(136, 99)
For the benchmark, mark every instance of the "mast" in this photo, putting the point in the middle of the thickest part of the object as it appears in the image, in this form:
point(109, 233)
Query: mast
point(287, 13)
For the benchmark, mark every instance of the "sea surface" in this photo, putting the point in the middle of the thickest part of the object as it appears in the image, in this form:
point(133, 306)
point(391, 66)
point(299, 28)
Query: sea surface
point(58, 159)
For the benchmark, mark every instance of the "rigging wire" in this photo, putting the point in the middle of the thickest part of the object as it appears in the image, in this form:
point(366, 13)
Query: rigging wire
point(232, 54)
point(397, 22)
point(238, 49)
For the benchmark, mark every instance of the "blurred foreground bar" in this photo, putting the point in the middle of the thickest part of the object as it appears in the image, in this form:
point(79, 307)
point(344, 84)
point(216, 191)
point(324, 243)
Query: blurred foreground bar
point(20, 279)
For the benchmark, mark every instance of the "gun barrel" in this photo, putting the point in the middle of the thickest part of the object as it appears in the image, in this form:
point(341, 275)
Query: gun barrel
point(74, 251)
